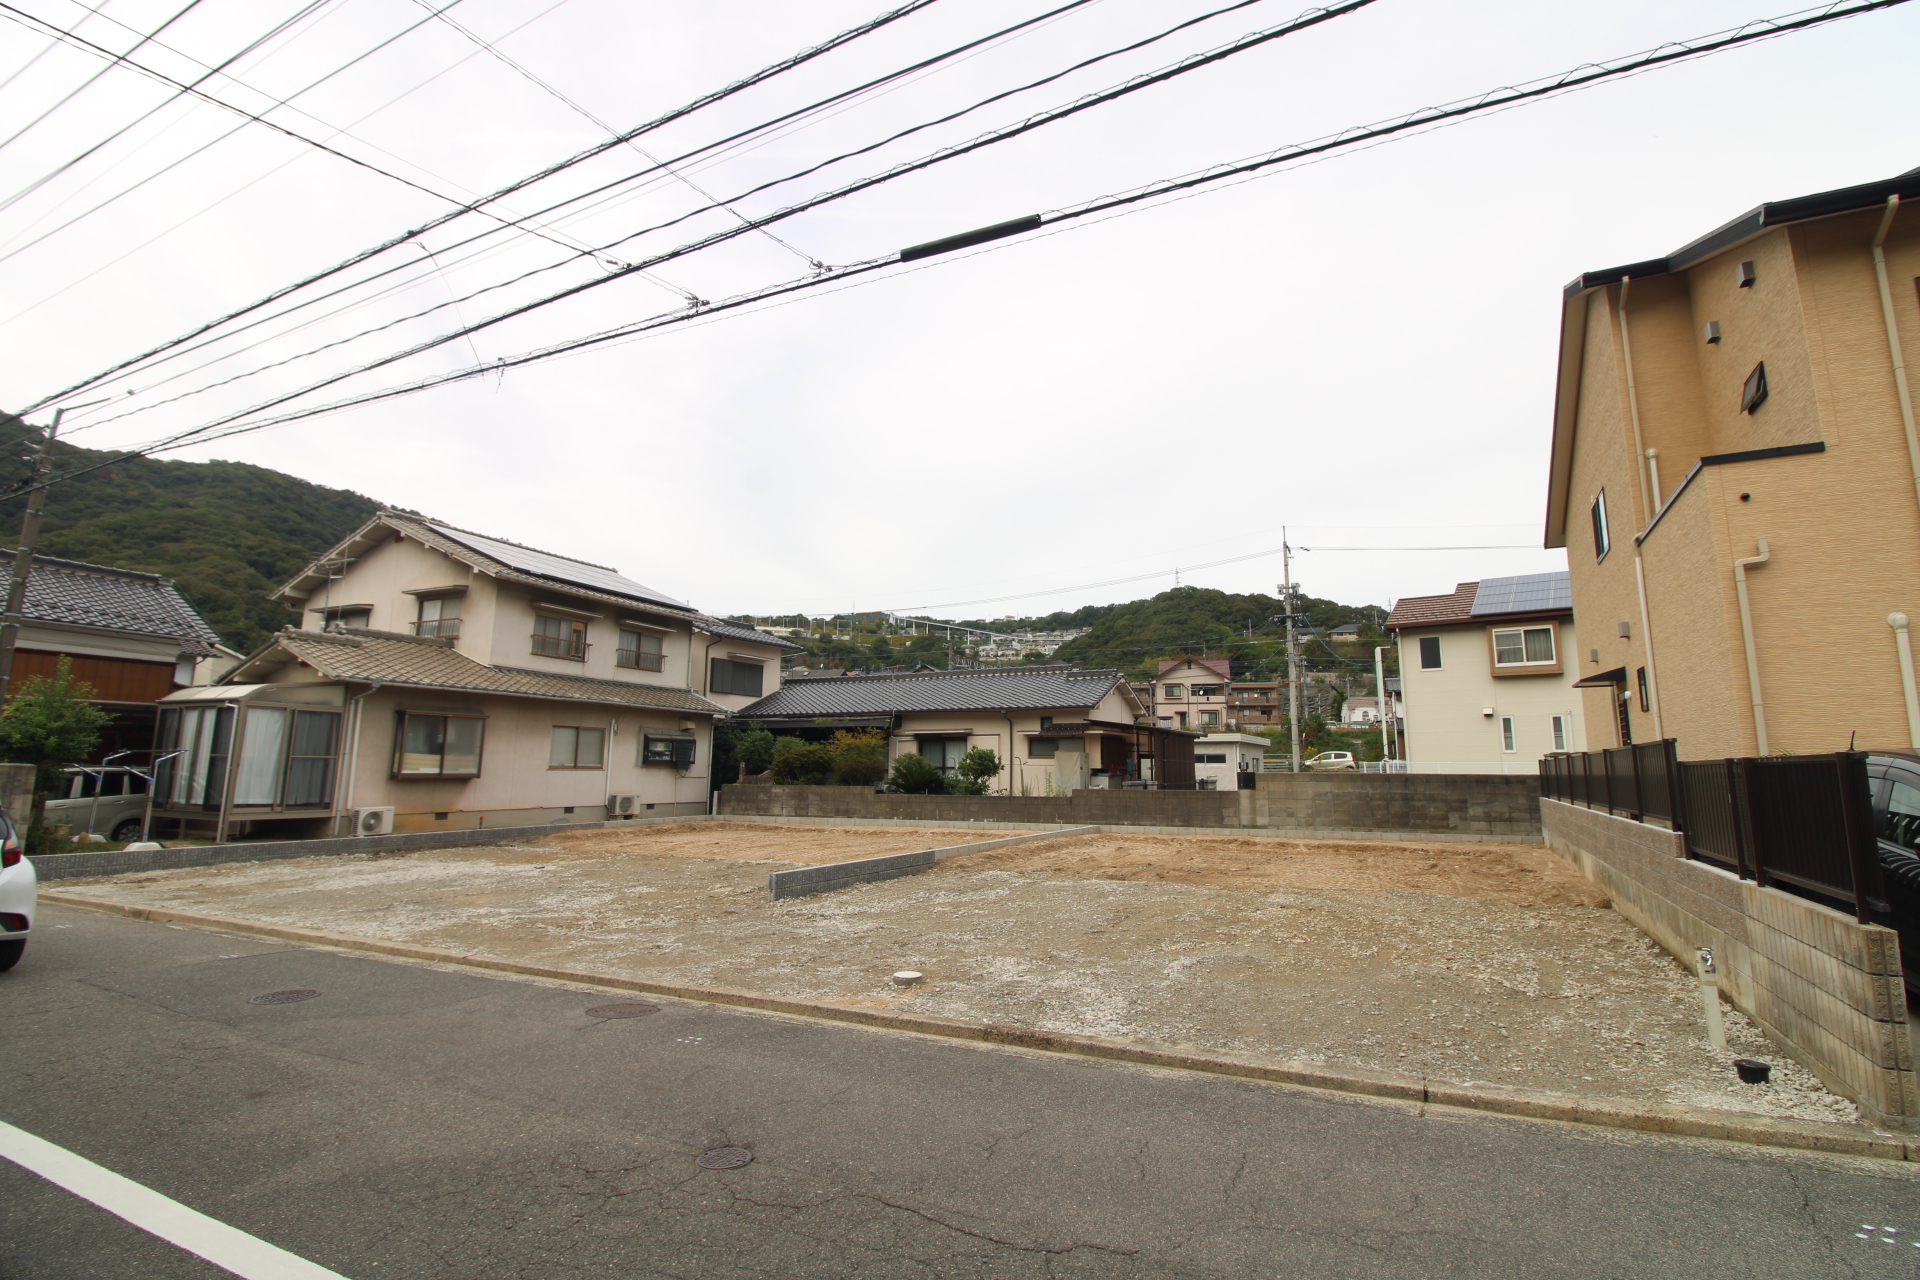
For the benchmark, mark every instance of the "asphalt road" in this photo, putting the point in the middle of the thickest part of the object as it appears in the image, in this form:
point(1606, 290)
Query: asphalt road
point(412, 1122)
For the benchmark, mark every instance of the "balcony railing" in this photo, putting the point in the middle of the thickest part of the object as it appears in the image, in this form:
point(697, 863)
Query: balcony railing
point(641, 661)
point(561, 647)
point(441, 628)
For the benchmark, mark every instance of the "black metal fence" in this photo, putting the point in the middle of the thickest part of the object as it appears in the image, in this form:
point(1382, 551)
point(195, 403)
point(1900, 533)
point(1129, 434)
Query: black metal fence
point(1802, 822)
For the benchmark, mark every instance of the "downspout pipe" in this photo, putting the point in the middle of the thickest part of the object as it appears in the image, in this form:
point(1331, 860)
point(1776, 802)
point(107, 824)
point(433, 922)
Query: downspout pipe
point(1740, 568)
point(1901, 389)
point(1903, 643)
point(1650, 480)
point(356, 713)
point(1008, 717)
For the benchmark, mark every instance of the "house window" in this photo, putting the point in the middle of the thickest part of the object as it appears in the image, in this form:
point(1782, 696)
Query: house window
point(1429, 653)
point(742, 678)
point(1042, 748)
point(286, 758)
point(1209, 718)
point(657, 748)
point(348, 615)
point(1753, 392)
point(640, 651)
point(1208, 690)
point(1523, 647)
point(574, 747)
point(1506, 733)
point(1210, 757)
point(945, 753)
point(1559, 733)
point(438, 746)
point(559, 637)
point(1173, 691)
point(1602, 540)
point(439, 616)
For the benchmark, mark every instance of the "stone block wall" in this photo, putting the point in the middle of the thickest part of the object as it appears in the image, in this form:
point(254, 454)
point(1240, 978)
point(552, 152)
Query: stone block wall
point(1825, 987)
point(1460, 806)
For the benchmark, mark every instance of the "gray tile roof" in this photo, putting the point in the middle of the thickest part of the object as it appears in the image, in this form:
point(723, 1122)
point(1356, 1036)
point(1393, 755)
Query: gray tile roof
point(742, 631)
point(993, 689)
point(364, 656)
point(94, 595)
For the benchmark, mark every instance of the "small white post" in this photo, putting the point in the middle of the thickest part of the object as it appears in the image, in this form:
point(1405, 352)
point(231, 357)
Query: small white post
point(1710, 999)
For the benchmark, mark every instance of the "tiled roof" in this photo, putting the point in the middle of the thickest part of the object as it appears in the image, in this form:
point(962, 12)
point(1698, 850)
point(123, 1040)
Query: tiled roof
point(992, 689)
point(1427, 611)
point(426, 663)
point(742, 631)
point(93, 595)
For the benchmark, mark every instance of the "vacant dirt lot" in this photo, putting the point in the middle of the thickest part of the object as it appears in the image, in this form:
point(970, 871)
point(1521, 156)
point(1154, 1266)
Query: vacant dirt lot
point(1491, 963)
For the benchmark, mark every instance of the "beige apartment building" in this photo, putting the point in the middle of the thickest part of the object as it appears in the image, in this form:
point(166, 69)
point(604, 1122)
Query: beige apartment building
point(1736, 479)
point(1191, 693)
point(442, 679)
point(1488, 676)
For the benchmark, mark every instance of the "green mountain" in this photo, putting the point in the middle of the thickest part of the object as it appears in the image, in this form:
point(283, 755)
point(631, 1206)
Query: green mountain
point(1209, 623)
point(227, 533)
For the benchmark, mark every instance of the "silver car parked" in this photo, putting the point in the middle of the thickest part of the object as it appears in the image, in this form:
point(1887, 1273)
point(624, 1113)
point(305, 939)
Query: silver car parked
point(110, 800)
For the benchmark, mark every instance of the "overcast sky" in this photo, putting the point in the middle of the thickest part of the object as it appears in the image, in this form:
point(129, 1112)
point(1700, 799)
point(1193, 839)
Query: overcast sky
point(1360, 349)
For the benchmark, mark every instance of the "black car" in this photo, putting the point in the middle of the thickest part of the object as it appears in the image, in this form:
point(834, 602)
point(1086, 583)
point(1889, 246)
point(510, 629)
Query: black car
point(1896, 810)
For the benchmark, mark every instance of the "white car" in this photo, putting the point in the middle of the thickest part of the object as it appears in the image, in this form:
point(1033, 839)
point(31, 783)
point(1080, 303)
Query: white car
point(19, 888)
point(1332, 760)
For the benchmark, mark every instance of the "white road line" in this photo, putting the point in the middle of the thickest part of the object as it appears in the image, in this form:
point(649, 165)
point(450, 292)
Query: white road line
point(218, 1243)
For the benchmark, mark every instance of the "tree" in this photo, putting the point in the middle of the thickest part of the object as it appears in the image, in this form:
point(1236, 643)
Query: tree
point(859, 757)
point(808, 764)
point(916, 775)
point(977, 767)
point(882, 651)
point(50, 724)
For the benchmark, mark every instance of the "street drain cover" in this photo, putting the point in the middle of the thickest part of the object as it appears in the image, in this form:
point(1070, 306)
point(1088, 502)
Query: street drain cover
point(725, 1158)
point(294, 996)
point(622, 1010)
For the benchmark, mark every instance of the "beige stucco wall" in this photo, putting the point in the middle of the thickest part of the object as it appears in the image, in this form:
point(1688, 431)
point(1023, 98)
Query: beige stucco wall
point(514, 775)
point(1444, 708)
point(1843, 526)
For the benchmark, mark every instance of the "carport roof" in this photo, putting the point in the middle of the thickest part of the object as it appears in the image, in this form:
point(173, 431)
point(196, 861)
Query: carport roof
point(991, 689)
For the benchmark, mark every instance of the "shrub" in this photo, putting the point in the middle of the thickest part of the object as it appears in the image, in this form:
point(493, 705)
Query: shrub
point(807, 764)
point(755, 750)
point(916, 775)
point(978, 767)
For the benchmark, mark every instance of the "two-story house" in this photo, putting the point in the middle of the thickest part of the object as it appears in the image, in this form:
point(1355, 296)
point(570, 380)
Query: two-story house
point(1492, 675)
point(443, 679)
point(1191, 693)
point(1735, 477)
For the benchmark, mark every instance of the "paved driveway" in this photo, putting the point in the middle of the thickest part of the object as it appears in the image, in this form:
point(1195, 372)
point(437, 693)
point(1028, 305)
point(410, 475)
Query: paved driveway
point(412, 1122)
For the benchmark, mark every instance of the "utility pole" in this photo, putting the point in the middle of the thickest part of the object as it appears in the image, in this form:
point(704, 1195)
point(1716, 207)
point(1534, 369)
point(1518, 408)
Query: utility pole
point(23, 558)
point(1386, 704)
point(1293, 655)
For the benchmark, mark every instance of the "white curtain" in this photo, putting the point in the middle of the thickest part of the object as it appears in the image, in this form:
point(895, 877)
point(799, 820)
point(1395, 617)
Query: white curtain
point(257, 780)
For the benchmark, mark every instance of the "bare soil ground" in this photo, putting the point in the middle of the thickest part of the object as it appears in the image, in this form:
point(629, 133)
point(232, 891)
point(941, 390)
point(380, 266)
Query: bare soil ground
point(1471, 963)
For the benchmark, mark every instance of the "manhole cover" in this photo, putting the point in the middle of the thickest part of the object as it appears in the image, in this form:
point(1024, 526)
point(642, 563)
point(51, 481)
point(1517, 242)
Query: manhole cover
point(622, 1010)
point(725, 1158)
point(295, 996)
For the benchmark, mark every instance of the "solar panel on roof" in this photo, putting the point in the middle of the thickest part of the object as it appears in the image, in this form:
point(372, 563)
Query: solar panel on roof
point(558, 568)
point(1527, 593)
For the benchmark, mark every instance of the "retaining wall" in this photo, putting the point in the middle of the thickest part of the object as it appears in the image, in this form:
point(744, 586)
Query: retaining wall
point(1826, 988)
point(1458, 806)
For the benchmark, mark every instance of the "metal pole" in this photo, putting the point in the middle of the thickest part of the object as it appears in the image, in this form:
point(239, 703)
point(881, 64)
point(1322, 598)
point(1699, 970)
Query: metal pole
point(23, 557)
point(1380, 690)
point(1293, 656)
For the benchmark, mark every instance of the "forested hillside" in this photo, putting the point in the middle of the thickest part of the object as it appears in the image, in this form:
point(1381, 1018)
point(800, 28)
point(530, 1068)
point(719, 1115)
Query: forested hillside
point(226, 532)
point(1200, 620)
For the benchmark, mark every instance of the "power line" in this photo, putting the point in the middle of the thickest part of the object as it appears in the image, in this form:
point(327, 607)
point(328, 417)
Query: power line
point(1309, 19)
point(738, 86)
point(1499, 98)
point(712, 205)
point(84, 85)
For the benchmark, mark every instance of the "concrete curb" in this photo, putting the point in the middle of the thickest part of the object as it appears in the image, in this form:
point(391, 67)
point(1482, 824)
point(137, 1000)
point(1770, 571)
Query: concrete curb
point(802, 881)
point(1672, 1120)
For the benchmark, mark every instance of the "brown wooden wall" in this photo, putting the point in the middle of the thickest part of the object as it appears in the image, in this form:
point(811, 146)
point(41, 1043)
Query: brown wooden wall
point(113, 679)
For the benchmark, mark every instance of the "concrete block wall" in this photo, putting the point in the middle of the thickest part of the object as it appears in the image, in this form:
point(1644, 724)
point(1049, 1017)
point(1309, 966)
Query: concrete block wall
point(1463, 806)
point(1825, 987)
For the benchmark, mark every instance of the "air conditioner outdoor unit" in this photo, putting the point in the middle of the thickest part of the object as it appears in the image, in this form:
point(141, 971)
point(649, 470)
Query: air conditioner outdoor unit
point(373, 822)
point(622, 806)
